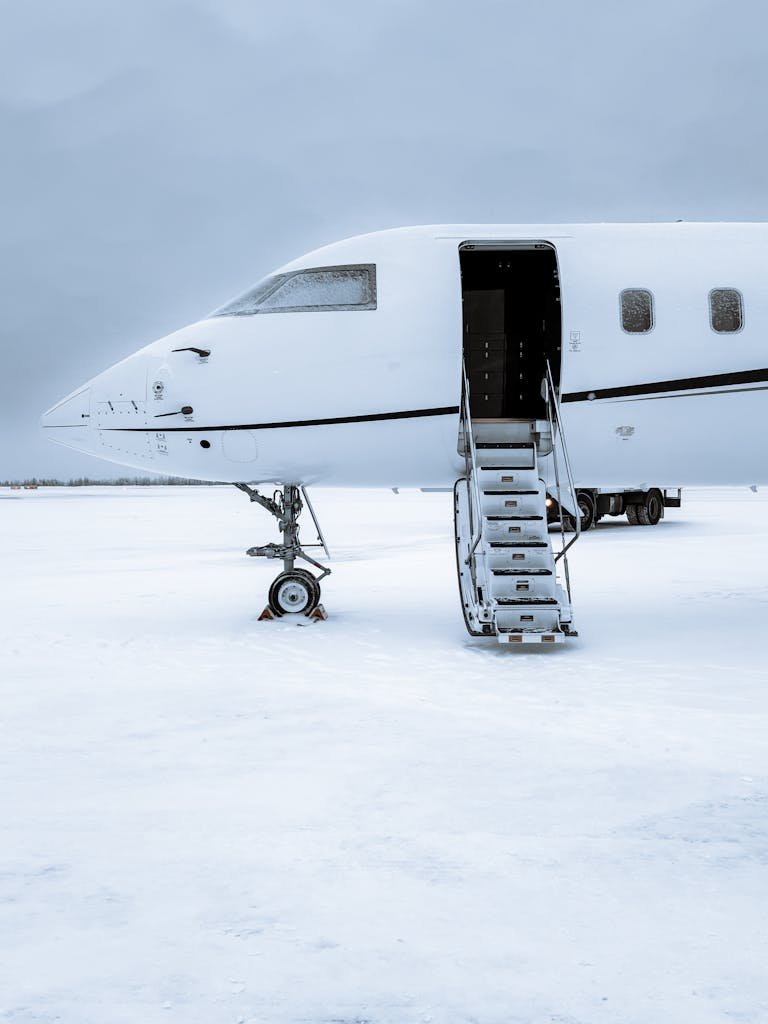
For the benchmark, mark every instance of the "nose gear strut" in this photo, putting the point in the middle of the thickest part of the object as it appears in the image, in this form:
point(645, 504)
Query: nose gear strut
point(294, 591)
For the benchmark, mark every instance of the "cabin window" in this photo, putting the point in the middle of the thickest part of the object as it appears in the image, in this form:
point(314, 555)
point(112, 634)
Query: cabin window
point(636, 310)
point(311, 290)
point(726, 310)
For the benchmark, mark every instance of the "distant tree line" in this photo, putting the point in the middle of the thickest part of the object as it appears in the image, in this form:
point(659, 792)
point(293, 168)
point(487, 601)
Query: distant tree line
point(120, 481)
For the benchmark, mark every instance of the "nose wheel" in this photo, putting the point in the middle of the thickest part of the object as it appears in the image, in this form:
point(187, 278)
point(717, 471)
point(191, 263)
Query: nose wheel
point(296, 591)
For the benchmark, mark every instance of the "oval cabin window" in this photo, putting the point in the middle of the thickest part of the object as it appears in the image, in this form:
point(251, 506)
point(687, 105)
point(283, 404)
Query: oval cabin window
point(726, 310)
point(636, 310)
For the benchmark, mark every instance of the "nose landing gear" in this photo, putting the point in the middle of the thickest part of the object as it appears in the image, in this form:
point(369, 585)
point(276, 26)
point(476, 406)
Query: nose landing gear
point(294, 591)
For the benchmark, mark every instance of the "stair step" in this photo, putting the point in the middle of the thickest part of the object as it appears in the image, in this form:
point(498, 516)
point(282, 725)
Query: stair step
point(529, 602)
point(507, 629)
point(491, 458)
point(507, 557)
point(521, 572)
point(523, 502)
point(515, 519)
point(519, 480)
point(489, 490)
point(518, 544)
point(533, 586)
point(527, 617)
point(531, 632)
point(496, 445)
point(517, 494)
point(505, 519)
point(526, 537)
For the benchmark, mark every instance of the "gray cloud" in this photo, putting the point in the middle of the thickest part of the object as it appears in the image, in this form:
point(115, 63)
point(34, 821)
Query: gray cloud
point(159, 156)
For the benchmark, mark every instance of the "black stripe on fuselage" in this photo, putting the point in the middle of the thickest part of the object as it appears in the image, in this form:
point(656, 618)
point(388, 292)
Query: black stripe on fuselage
point(726, 382)
point(375, 417)
point(656, 389)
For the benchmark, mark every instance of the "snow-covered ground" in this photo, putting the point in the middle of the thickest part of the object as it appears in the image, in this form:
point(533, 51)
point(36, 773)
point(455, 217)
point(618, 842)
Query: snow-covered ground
point(207, 819)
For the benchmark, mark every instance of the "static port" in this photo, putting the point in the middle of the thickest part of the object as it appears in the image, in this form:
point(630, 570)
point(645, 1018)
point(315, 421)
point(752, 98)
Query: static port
point(187, 410)
point(205, 444)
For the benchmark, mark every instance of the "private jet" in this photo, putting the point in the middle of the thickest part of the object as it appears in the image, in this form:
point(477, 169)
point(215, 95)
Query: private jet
point(517, 365)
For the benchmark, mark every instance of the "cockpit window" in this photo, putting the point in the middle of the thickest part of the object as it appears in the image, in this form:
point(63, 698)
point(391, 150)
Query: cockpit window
point(304, 291)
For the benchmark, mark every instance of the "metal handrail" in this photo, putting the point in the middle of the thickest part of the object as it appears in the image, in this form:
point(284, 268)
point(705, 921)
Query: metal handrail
point(470, 463)
point(555, 421)
point(561, 553)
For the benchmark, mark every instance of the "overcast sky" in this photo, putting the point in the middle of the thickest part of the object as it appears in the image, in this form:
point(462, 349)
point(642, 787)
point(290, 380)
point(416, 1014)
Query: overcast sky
point(158, 156)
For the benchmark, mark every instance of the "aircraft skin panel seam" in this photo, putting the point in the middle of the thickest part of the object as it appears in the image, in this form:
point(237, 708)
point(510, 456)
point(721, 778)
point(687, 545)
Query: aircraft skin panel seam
point(448, 410)
point(682, 384)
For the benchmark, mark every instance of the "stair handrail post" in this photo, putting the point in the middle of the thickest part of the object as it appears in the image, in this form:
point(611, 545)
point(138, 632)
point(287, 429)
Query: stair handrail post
point(561, 553)
point(552, 394)
point(556, 427)
point(467, 464)
point(470, 455)
point(553, 452)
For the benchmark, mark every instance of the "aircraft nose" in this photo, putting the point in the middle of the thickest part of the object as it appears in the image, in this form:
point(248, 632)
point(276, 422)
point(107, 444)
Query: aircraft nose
point(72, 411)
point(68, 421)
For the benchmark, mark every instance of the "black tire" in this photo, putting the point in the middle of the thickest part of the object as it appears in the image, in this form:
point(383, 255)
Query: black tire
point(651, 510)
point(294, 593)
point(632, 516)
point(587, 510)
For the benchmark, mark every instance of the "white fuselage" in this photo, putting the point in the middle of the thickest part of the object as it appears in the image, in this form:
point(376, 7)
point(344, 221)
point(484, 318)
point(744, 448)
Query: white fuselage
point(370, 396)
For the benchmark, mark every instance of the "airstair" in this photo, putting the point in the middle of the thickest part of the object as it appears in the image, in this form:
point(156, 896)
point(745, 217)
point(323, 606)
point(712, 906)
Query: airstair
point(513, 584)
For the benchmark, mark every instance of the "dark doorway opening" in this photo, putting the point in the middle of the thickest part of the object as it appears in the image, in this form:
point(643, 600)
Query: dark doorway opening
point(511, 303)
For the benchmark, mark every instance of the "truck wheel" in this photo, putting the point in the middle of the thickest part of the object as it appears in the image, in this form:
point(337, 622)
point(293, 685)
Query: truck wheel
point(651, 510)
point(587, 510)
point(632, 516)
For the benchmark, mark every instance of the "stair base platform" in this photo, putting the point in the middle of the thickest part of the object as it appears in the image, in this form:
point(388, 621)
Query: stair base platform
point(546, 638)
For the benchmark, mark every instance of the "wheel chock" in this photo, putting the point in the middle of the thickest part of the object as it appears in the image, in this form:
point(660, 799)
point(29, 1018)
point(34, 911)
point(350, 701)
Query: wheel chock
point(318, 614)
